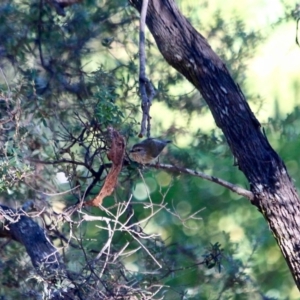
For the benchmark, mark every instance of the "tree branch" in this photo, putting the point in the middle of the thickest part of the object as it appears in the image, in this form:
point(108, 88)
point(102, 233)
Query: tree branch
point(116, 155)
point(146, 89)
point(24, 230)
point(234, 188)
point(44, 256)
point(62, 161)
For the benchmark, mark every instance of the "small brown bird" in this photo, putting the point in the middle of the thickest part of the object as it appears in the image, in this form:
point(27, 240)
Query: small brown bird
point(148, 150)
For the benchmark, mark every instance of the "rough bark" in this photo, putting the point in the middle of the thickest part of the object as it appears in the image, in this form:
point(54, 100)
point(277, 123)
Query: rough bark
point(189, 53)
point(44, 256)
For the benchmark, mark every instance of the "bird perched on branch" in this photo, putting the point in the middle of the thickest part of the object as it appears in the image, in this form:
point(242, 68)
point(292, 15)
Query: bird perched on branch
point(148, 150)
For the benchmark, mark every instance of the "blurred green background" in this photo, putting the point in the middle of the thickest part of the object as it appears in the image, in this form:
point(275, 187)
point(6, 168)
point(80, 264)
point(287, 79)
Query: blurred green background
point(256, 39)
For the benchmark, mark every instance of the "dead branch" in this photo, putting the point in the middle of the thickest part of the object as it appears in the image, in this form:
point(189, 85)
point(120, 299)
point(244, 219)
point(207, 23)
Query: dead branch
point(116, 155)
point(146, 89)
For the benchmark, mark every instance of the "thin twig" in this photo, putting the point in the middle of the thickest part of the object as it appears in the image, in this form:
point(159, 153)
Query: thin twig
point(146, 89)
point(63, 161)
point(234, 188)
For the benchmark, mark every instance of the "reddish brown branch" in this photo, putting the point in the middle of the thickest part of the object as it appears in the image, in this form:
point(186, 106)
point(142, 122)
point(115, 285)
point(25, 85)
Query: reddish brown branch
point(116, 155)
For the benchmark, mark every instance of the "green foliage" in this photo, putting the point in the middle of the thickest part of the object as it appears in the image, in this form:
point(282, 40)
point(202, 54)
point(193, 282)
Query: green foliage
point(67, 79)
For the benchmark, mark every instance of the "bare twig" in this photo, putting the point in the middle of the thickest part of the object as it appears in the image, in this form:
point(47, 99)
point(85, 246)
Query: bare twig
point(234, 188)
point(124, 227)
point(146, 89)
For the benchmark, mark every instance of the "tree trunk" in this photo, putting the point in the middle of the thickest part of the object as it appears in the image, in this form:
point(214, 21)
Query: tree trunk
point(274, 193)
